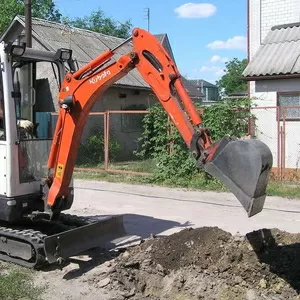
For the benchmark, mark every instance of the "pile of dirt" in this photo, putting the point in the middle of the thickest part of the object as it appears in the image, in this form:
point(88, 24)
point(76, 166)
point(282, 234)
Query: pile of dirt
point(207, 263)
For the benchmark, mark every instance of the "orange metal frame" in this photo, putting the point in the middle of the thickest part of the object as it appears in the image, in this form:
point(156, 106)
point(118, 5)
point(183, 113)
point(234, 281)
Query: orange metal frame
point(106, 130)
point(83, 88)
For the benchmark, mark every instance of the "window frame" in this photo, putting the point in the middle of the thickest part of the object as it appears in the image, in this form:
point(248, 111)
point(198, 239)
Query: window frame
point(3, 106)
point(292, 93)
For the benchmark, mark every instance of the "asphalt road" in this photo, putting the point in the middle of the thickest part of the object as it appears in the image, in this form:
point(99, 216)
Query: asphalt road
point(160, 211)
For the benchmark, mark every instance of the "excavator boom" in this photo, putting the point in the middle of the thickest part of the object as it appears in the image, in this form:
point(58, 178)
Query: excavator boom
point(242, 165)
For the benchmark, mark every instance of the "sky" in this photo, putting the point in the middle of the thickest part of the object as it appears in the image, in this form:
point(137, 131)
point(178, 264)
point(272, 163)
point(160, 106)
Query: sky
point(204, 35)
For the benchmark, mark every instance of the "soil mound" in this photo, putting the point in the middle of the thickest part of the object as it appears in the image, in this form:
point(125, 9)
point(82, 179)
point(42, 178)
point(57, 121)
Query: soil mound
point(209, 263)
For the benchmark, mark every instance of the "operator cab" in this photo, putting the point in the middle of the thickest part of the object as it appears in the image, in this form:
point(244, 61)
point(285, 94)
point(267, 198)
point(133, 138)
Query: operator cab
point(36, 80)
point(30, 81)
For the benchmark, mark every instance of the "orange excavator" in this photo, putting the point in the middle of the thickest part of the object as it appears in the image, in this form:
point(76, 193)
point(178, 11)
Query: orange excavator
point(34, 229)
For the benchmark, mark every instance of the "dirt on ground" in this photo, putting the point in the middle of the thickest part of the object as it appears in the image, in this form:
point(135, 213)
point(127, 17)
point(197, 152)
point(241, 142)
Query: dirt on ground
point(204, 263)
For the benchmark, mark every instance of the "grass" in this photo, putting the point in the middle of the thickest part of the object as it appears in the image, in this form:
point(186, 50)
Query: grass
point(283, 189)
point(196, 182)
point(111, 177)
point(143, 166)
point(16, 283)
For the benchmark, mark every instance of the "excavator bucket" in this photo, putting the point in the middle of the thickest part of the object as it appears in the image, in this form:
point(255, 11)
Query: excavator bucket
point(244, 167)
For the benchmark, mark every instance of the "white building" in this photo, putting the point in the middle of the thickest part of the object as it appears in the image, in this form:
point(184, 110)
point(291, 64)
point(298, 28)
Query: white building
point(273, 73)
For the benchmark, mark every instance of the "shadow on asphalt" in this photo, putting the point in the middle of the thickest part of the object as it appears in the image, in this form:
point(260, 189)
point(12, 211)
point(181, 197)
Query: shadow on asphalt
point(283, 260)
point(146, 226)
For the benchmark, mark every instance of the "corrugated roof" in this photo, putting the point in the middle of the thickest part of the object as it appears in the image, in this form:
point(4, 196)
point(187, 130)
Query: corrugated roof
point(87, 45)
point(161, 37)
point(192, 89)
point(164, 40)
point(279, 53)
point(201, 82)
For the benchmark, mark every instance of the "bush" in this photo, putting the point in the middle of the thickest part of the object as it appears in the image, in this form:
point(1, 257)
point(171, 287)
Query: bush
point(162, 142)
point(91, 152)
point(228, 117)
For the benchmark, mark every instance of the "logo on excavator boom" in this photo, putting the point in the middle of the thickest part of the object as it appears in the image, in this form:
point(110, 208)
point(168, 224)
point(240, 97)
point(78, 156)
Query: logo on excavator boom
point(99, 77)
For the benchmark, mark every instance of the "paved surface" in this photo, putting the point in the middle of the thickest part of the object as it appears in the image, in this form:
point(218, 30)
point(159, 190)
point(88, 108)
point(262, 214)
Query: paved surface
point(152, 210)
point(156, 210)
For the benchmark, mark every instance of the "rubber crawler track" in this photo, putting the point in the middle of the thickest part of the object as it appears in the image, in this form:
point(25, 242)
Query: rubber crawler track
point(35, 238)
point(29, 236)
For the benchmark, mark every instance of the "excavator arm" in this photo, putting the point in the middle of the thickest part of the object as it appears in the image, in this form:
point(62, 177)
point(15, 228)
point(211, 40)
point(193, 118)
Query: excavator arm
point(243, 166)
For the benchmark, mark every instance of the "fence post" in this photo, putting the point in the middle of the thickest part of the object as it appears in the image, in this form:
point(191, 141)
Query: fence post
point(106, 140)
point(283, 140)
point(279, 154)
point(169, 133)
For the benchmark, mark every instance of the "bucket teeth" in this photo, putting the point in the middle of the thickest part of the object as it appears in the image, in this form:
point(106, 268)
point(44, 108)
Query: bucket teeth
point(244, 167)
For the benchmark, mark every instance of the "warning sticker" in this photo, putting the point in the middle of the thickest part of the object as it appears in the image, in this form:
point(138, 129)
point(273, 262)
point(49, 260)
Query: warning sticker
point(60, 170)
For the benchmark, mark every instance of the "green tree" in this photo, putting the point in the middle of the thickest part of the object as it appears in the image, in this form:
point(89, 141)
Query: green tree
point(43, 9)
point(232, 81)
point(98, 22)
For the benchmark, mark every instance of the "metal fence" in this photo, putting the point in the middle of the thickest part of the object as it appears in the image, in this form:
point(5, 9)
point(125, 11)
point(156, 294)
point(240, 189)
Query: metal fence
point(110, 138)
point(109, 141)
point(279, 128)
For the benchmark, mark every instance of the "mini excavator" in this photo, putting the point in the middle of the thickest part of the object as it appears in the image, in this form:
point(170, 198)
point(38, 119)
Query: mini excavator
point(36, 185)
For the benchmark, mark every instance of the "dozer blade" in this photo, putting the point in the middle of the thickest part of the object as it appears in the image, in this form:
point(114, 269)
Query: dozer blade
point(244, 167)
point(72, 242)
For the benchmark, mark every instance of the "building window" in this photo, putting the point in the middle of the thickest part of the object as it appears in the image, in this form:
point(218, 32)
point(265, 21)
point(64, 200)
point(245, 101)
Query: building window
point(289, 106)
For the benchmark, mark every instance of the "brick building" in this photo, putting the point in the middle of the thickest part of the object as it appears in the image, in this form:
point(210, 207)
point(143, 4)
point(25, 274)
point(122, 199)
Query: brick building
point(264, 14)
point(273, 73)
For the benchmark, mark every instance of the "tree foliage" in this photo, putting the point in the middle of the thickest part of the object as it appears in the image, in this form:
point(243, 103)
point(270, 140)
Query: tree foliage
point(229, 117)
point(162, 142)
point(91, 151)
point(232, 81)
point(46, 9)
point(43, 9)
point(98, 22)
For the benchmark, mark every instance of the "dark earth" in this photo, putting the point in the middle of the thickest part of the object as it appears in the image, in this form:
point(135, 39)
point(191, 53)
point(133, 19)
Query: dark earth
point(204, 263)
point(208, 263)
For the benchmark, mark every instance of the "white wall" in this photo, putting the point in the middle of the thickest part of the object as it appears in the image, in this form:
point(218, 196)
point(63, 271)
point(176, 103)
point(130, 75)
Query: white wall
point(254, 22)
point(278, 12)
point(264, 14)
point(265, 92)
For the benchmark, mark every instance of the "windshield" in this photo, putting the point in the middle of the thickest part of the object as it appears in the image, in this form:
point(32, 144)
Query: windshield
point(36, 88)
